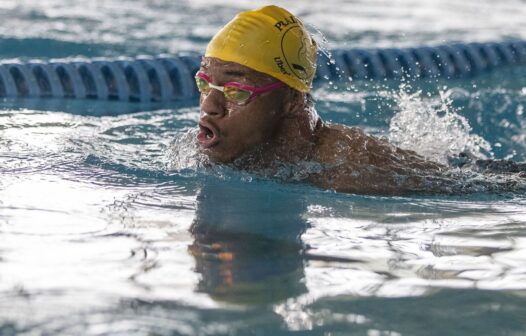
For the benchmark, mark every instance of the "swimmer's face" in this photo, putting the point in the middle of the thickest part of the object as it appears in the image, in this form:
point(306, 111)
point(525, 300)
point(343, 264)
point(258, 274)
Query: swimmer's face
point(227, 129)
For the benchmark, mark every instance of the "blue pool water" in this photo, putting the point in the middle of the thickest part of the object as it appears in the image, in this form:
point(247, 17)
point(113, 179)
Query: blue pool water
point(110, 226)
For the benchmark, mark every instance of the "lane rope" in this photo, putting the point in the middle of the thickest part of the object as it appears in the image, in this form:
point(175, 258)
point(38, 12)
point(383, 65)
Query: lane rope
point(170, 78)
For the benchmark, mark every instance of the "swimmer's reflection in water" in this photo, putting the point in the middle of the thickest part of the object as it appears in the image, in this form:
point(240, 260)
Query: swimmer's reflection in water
point(257, 114)
point(242, 256)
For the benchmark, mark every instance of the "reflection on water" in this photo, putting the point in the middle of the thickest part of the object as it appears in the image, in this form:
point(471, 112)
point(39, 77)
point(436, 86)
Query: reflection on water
point(96, 237)
point(443, 312)
point(247, 243)
point(406, 248)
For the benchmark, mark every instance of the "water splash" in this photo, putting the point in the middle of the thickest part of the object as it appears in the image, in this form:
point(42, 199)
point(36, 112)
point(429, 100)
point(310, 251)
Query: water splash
point(184, 152)
point(185, 157)
point(434, 129)
point(324, 52)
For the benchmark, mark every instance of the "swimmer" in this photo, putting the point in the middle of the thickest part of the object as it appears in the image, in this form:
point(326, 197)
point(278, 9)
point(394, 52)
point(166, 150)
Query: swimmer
point(257, 114)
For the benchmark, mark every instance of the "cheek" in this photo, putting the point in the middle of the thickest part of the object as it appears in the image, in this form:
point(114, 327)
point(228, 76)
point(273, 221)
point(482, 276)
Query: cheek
point(253, 126)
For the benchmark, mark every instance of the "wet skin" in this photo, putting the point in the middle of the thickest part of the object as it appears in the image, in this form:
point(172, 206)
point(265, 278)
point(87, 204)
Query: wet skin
point(281, 126)
point(237, 129)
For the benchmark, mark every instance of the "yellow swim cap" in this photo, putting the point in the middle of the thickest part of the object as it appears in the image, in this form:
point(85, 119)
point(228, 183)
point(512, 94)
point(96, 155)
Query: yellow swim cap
point(270, 40)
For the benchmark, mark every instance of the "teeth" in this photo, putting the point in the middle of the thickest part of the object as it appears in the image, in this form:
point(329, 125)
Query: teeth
point(209, 136)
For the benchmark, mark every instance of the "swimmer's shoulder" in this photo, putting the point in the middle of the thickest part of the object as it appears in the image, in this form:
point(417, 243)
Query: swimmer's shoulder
point(335, 140)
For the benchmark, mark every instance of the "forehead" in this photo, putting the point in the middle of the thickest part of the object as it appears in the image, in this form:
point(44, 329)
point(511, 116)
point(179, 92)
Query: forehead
point(217, 67)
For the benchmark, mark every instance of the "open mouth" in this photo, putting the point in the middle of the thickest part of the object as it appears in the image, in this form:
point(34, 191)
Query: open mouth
point(208, 135)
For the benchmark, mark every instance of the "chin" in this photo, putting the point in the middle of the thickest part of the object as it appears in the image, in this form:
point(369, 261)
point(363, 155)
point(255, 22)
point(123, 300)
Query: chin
point(218, 156)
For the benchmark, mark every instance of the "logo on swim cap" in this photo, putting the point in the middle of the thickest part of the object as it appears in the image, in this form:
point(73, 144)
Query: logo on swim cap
point(294, 46)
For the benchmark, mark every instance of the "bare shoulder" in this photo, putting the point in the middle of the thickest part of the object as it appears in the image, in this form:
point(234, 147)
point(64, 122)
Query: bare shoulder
point(357, 162)
point(335, 142)
point(331, 136)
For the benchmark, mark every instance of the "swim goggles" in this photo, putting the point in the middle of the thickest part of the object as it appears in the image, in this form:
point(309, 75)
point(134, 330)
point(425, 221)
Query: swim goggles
point(237, 93)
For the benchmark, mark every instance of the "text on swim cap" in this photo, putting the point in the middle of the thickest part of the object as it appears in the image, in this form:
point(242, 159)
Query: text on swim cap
point(281, 65)
point(288, 20)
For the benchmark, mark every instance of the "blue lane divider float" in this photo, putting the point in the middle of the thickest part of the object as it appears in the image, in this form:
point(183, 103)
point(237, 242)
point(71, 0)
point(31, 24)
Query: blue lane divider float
point(170, 78)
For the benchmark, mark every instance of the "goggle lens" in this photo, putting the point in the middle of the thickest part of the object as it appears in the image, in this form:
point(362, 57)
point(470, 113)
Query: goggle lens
point(236, 95)
point(202, 84)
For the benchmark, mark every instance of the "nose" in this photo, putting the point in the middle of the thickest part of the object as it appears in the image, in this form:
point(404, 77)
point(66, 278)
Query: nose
point(213, 104)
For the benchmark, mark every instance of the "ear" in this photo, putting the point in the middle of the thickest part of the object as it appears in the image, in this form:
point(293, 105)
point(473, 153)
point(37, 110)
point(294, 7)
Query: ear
point(295, 103)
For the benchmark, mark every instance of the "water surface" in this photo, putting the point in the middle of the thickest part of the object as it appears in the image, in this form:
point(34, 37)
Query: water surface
point(108, 226)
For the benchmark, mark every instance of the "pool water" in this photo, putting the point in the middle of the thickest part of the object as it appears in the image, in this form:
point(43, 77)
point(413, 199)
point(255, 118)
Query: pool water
point(110, 225)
